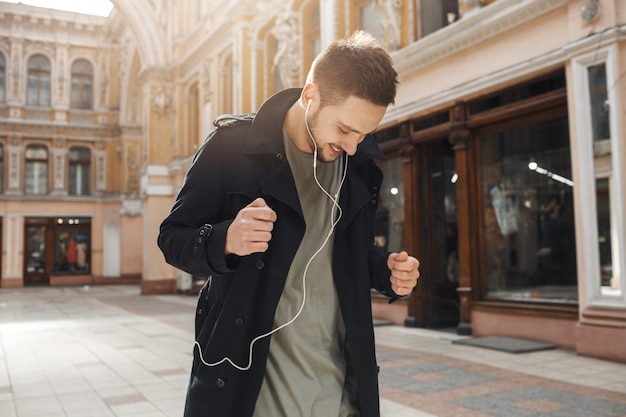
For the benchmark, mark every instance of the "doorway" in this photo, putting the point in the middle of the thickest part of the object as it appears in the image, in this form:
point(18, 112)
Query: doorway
point(36, 255)
point(439, 217)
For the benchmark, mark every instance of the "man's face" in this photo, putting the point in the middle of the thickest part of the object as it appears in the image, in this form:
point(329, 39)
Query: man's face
point(341, 127)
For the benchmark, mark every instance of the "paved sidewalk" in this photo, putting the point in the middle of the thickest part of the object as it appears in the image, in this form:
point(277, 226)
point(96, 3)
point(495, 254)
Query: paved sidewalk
point(107, 351)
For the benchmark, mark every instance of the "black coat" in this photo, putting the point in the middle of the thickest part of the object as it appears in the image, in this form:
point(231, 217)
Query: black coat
point(241, 160)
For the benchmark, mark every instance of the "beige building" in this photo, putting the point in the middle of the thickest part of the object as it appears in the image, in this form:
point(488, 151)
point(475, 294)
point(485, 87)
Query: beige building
point(504, 170)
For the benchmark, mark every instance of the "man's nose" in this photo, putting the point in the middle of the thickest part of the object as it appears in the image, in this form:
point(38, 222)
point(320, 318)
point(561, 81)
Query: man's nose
point(350, 145)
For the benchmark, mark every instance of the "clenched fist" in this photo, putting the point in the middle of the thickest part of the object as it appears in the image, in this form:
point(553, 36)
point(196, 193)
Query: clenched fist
point(251, 230)
point(404, 272)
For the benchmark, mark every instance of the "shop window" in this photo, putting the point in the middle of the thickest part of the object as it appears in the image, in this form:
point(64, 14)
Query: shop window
point(79, 170)
point(72, 238)
point(601, 173)
point(82, 85)
point(2, 79)
point(389, 233)
point(36, 170)
point(529, 249)
point(38, 81)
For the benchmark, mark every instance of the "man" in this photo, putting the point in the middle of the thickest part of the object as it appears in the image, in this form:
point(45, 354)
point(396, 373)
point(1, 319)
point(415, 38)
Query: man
point(278, 210)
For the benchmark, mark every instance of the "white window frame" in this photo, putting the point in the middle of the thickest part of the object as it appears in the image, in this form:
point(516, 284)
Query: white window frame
point(586, 183)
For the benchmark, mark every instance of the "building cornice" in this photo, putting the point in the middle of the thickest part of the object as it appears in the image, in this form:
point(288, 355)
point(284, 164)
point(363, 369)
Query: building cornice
point(523, 70)
point(470, 30)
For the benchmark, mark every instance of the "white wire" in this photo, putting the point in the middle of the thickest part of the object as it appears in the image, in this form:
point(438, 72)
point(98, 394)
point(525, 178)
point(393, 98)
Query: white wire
point(334, 222)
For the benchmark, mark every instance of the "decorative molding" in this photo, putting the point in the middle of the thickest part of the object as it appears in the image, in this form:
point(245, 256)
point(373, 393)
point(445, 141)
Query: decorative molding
point(390, 12)
point(101, 170)
point(288, 55)
point(131, 207)
point(483, 24)
point(531, 67)
point(161, 101)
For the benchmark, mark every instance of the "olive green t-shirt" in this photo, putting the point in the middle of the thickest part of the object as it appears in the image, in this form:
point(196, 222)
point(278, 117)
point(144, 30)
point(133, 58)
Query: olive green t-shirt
point(306, 366)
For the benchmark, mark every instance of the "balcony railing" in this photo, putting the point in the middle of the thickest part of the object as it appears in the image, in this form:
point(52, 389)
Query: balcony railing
point(82, 117)
point(39, 114)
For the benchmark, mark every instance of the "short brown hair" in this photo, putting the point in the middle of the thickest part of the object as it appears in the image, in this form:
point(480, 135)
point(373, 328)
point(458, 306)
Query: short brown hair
point(358, 66)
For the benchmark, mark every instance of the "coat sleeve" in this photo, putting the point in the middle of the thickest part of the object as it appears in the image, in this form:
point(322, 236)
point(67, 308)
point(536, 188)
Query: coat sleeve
point(193, 236)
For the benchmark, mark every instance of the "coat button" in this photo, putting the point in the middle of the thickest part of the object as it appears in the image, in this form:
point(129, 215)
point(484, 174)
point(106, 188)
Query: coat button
point(220, 383)
point(239, 321)
point(259, 264)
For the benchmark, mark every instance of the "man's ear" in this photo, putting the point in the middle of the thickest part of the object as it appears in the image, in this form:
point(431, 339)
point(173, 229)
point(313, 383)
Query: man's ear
point(309, 94)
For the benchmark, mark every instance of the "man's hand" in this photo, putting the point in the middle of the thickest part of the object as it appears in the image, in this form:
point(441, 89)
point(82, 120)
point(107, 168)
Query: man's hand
point(251, 230)
point(404, 272)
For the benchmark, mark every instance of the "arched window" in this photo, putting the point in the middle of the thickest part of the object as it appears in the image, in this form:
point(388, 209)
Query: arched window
point(82, 85)
point(2, 79)
point(38, 83)
point(36, 170)
point(80, 165)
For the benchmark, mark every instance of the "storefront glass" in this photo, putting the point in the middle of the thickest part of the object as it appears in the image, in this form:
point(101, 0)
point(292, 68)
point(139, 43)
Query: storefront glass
point(72, 246)
point(528, 241)
point(390, 214)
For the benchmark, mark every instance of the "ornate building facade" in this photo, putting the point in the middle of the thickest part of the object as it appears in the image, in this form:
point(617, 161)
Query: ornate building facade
point(504, 170)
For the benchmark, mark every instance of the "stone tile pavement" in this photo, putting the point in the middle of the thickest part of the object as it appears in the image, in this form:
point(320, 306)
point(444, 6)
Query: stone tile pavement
point(107, 351)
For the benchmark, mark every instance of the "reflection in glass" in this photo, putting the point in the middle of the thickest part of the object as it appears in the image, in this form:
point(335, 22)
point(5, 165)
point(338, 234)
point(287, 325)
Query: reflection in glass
point(390, 215)
point(529, 249)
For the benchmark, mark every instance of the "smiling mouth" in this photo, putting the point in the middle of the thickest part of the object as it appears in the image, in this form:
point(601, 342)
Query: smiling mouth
point(336, 149)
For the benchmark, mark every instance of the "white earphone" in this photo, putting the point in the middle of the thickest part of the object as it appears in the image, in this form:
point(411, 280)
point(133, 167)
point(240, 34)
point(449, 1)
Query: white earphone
point(335, 216)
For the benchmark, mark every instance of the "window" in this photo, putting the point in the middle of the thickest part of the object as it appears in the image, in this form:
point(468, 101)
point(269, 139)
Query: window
point(36, 170)
point(529, 249)
point(434, 15)
point(80, 166)
point(601, 176)
point(2, 79)
point(72, 246)
point(82, 85)
point(38, 81)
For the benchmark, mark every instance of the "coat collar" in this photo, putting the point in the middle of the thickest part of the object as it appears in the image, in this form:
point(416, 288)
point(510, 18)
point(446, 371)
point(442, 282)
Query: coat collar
point(266, 132)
